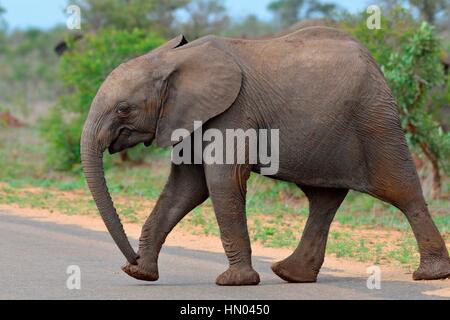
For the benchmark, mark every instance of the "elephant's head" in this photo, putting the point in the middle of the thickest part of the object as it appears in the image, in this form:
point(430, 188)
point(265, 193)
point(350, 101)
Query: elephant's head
point(147, 98)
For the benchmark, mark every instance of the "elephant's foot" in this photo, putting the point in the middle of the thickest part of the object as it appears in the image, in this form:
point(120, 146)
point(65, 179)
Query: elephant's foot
point(238, 276)
point(433, 269)
point(293, 272)
point(146, 272)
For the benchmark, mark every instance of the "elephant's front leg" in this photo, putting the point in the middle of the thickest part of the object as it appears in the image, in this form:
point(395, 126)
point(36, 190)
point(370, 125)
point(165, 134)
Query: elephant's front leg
point(185, 189)
point(227, 189)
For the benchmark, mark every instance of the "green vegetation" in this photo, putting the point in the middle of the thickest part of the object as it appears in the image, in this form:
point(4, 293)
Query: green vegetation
point(154, 15)
point(288, 12)
point(411, 74)
point(2, 29)
point(28, 68)
point(409, 54)
point(83, 70)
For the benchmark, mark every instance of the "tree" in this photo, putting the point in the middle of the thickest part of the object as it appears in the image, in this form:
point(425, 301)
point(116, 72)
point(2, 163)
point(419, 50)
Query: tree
point(411, 74)
point(250, 27)
point(435, 12)
point(28, 68)
point(2, 11)
point(409, 55)
point(289, 12)
point(2, 26)
point(83, 68)
point(325, 10)
point(286, 11)
point(397, 26)
point(429, 9)
point(391, 4)
point(204, 17)
point(154, 15)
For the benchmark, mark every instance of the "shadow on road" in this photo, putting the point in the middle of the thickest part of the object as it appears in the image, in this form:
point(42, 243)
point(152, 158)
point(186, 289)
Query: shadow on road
point(35, 256)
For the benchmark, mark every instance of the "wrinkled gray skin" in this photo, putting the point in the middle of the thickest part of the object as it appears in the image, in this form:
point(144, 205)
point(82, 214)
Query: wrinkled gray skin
point(339, 130)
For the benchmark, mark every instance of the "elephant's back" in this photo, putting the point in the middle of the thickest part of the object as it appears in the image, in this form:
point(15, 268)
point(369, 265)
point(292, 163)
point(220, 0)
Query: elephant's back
point(316, 66)
point(309, 52)
point(316, 33)
point(300, 39)
point(311, 74)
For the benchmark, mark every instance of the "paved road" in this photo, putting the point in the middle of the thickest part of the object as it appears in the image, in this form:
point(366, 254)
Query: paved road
point(34, 257)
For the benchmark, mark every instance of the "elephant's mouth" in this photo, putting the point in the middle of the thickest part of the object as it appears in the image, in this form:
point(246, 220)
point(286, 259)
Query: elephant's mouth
point(128, 139)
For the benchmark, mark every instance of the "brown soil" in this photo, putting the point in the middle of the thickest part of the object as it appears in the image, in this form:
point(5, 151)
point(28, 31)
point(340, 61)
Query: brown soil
point(10, 121)
point(180, 238)
point(183, 237)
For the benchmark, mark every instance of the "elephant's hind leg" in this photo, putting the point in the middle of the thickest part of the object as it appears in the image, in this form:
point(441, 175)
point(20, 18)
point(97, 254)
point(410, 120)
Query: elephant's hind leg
point(434, 258)
point(392, 177)
point(304, 263)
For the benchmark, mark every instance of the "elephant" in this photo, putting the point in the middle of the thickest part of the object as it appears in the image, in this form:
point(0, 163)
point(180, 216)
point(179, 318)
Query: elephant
point(339, 130)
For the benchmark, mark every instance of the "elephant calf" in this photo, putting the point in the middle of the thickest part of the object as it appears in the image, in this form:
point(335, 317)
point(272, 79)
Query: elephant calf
point(338, 130)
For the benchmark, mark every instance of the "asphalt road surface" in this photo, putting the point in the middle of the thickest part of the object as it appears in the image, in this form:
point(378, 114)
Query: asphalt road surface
point(34, 257)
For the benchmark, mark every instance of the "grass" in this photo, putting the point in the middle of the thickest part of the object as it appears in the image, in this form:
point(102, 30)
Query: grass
point(365, 229)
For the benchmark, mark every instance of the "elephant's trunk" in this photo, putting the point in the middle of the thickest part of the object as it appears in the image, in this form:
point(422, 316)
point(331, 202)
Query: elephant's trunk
point(92, 162)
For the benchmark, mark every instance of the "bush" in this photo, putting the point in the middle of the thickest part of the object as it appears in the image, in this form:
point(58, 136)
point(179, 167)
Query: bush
point(412, 73)
point(83, 68)
point(397, 26)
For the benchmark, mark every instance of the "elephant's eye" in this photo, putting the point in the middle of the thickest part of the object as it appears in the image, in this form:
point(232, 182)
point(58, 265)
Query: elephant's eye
point(123, 109)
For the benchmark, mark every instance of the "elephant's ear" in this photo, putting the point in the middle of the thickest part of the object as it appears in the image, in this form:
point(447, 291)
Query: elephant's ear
point(201, 83)
point(176, 42)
